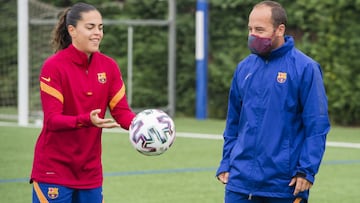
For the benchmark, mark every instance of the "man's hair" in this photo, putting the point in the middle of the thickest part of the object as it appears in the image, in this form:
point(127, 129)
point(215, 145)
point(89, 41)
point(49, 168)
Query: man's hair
point(278, 13)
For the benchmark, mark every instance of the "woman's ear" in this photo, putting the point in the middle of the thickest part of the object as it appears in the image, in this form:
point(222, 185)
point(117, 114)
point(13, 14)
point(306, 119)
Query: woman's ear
point(72, 31)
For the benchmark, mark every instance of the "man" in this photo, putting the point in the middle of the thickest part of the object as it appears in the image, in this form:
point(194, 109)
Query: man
point(277, 120)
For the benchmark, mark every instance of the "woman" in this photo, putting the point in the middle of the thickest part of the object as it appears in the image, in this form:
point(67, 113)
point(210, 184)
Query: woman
point(77, 85)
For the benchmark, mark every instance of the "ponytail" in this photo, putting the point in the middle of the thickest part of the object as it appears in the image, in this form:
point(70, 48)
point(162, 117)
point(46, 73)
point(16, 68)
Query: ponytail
point(60, 35)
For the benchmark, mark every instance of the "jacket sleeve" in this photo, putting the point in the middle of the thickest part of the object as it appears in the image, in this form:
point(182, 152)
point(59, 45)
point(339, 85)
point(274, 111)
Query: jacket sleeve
point(231, 128)
point(315, 119)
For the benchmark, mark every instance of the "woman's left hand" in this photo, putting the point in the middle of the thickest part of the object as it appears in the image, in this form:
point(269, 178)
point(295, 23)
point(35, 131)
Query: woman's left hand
point(102, 122)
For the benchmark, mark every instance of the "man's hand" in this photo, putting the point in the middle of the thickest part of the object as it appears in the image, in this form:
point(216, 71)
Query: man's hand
point(301, 184)
point(223, 177)
point(102, 122)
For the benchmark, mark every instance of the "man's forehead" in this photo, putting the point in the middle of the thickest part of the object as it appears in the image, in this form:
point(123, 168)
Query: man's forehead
point(260, 17)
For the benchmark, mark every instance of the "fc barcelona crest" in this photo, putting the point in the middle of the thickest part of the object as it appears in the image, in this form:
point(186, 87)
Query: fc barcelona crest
point(102, 78)
point(53, 192)
point(281, 77)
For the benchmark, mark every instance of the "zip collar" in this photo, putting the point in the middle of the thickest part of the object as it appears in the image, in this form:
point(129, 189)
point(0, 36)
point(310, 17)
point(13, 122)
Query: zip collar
point(276, 53)
point(78, 57)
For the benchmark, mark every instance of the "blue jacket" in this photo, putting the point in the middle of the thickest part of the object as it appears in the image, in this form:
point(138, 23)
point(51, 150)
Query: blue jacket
point(276, 124)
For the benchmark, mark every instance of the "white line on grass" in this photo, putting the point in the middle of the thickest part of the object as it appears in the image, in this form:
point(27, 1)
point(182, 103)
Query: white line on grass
point(200, 136)
point(218, 137)
point(343, 144)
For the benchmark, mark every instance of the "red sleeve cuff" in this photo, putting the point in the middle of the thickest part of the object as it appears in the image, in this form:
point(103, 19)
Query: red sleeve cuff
point(83, 120)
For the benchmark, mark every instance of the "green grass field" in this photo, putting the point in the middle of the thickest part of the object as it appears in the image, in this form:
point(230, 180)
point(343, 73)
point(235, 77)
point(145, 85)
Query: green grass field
point(185, 173)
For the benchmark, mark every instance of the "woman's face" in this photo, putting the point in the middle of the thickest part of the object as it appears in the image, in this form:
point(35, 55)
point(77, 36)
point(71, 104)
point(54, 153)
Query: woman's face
point(87, 34)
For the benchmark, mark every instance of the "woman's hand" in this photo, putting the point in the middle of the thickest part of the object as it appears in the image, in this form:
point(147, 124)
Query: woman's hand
point(102, 122)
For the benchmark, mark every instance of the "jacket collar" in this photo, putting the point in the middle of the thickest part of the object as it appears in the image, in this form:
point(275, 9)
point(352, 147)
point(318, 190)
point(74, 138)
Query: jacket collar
point(288, 45)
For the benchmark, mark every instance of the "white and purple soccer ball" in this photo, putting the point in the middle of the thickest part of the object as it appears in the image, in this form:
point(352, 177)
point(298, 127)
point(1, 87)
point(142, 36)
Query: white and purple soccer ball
point(152, 132)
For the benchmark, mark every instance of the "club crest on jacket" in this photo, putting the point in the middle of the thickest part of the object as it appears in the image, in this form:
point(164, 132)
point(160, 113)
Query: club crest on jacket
point(281, 77)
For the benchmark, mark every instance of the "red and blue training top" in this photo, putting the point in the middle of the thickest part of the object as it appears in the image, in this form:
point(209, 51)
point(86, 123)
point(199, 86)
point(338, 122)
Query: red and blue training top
point(68, 150)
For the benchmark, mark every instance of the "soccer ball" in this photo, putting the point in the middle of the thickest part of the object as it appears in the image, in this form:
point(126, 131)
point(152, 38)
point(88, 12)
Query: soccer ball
point(152, 132)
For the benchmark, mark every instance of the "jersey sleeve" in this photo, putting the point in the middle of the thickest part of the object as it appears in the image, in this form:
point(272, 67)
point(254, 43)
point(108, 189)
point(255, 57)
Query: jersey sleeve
point(52, 99)
point(118, 105)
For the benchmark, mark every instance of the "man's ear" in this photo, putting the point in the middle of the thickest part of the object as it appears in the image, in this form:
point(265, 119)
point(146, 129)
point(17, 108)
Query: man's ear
point(281, 30)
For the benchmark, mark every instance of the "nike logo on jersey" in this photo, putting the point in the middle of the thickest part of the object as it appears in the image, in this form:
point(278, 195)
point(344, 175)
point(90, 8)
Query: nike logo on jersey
point(48, 79)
